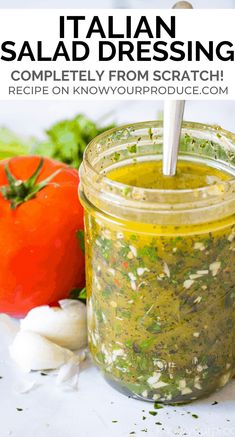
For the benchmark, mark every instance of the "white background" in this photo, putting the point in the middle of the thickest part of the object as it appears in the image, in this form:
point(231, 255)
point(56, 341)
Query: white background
point(163, 4)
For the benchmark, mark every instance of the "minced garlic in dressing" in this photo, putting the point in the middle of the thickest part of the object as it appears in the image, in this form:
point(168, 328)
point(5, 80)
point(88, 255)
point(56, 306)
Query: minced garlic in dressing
point(161, 307)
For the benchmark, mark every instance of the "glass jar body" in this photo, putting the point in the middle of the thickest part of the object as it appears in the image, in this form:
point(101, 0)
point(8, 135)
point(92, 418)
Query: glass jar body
point(161, 302)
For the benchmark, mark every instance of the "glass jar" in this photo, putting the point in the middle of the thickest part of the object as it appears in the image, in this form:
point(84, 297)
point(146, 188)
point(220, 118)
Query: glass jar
point(160, 267)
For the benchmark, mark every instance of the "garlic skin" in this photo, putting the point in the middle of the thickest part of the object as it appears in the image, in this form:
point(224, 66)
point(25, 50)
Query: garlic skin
point(31, 351)
point(66, 326)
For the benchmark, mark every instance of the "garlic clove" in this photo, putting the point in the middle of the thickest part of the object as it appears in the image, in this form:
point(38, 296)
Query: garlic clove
point(65, 325)
point(31, 351)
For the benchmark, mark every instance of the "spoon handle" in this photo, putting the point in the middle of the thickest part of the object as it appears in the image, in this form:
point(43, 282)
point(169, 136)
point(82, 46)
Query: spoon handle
point(173, 115)
point(182, 5)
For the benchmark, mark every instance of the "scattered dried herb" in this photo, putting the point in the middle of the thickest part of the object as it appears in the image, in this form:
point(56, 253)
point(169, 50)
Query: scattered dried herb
point(157, 406)
point(153, 413)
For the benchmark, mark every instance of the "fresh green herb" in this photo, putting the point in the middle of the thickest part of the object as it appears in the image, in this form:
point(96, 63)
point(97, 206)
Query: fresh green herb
point(144, 417)
point(66, 140)
point(78, 293)
point(81, 239)
point(195, 416)
point(11, 145)
point(19, 409)
point(158, 423)
point(114, 421)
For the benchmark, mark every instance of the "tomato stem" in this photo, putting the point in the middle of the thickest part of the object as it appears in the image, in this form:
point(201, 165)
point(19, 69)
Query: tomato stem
point(18, 191)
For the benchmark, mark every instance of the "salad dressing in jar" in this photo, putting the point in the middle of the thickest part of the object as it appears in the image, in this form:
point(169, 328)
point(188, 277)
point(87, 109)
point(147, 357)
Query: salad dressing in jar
point(160, 261)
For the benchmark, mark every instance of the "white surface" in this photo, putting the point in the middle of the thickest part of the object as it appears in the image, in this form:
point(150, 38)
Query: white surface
point(50, 412)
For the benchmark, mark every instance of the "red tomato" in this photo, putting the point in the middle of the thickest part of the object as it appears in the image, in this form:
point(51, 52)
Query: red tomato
point(41, 258)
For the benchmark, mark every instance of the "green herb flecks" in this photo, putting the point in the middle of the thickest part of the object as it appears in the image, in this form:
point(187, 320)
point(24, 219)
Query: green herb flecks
point(116, 156)
point(157, 406)
point(78, 293)
point(81, 239)
point(153, 413)
point(132, 148)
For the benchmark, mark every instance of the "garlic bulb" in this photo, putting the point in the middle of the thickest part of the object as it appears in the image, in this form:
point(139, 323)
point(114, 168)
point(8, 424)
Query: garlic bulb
point(65, 325)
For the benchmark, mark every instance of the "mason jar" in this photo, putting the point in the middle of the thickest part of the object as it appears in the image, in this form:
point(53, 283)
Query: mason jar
point(160, 266)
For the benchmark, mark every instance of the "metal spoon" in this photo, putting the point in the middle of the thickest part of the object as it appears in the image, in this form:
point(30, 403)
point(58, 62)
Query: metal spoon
point(173, 116)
